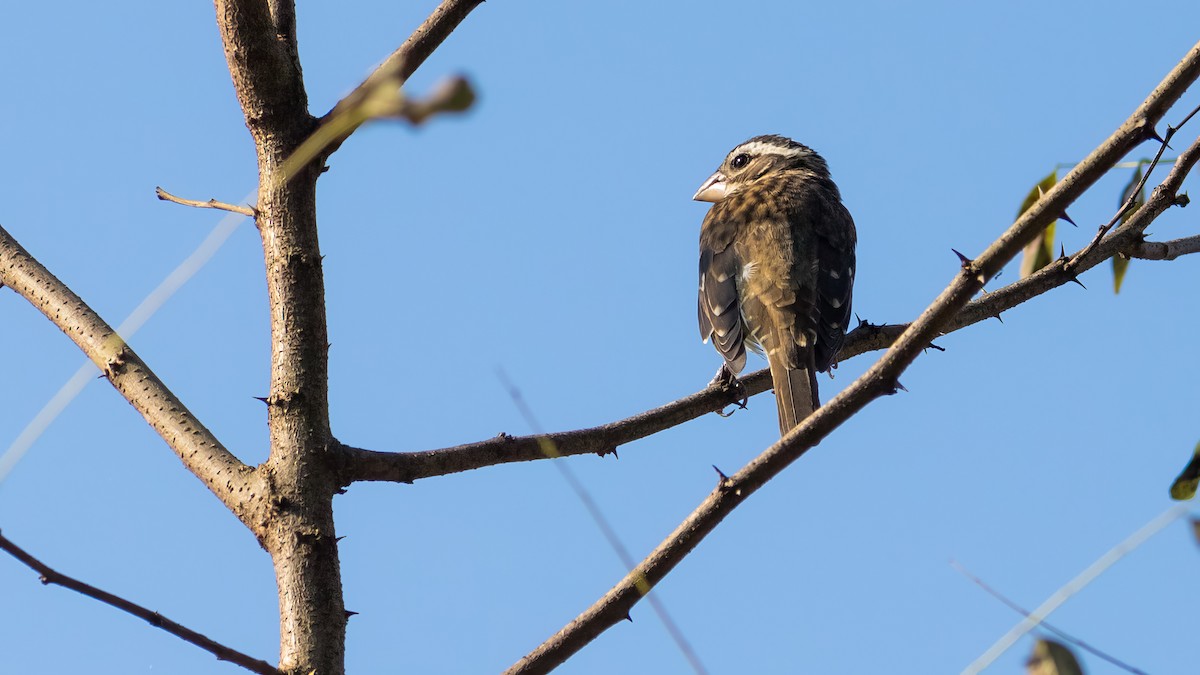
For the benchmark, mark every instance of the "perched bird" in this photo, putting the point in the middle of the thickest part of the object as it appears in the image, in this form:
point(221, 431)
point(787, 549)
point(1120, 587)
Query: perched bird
point(776, 267)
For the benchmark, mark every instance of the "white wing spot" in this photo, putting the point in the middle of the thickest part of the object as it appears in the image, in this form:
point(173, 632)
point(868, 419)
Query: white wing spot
point(834, 274)
point(749, 270)
point(836, 303)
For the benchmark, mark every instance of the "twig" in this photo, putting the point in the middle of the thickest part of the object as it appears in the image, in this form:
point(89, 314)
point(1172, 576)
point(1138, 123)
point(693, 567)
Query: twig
point(247, 211)
point(1137, 190)
point(880, 380)
point(1075, 585)
point(1166, 250)
point(222, 652)
point(1044, 624)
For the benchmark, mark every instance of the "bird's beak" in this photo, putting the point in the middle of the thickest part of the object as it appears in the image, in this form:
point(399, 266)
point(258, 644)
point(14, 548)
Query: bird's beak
point(713, 189)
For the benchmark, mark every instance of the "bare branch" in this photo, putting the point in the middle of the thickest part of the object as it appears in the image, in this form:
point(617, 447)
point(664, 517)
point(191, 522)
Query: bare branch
point(210, 204)
point(49, 576)
point(298, 530)
point(880, 380)
point(1131, 200)
point(234, 483)
point(402, 63)
point(265, 68)
point(1166, 250)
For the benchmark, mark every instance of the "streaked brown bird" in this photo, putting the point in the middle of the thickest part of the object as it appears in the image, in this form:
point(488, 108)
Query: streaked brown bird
point(776, 267)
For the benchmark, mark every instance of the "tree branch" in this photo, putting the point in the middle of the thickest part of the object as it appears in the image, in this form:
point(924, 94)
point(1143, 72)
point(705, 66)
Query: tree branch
point(210, 204)
point(265, 69)
point(882, 378)
point(222, 652)
point(402, 63)
point(298, 530)
point(1166, 250)
point(234, 483)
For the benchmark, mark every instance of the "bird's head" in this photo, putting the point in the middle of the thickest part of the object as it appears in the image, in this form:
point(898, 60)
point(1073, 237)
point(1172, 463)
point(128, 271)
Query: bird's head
point(761, 157)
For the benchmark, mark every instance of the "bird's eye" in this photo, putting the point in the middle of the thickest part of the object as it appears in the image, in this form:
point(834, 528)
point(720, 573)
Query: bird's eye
point(740, 161)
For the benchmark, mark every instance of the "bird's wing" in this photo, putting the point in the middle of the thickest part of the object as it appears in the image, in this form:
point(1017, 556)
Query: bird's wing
point(834, 243)
point(719, 313)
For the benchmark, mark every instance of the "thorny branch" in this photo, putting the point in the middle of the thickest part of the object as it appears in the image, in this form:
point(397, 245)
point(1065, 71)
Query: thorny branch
point(234, 483)
point(50, 576)
point(883, 378)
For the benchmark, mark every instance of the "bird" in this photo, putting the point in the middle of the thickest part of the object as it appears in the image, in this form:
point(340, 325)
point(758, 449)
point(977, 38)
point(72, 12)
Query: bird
point(776, 267)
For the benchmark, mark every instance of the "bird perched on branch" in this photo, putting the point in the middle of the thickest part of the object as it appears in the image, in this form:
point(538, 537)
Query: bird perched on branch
point(776, 267)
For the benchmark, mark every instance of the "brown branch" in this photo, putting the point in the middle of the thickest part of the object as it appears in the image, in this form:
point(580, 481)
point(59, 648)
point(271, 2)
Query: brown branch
point(210, 204)
point(880, 380)
point(1166, 250)
point(402, 63)
point(265, 69)
point(1134, 194)
point(49, 576)
point(298, 531)
point(234, 483)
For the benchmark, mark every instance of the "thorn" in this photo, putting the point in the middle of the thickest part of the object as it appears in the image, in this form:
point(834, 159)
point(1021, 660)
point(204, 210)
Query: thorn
point(614, 454)
point(261, 398)
point(997, 317)
point(1076, 280)
point(933, 346)
point(1154, 134)
point(1064, 216)
point(966, 262)
point(349, 613)
point(628, 618)
point(722, 480)
point(339, 538)
point(1062, 251)
point(899, 387)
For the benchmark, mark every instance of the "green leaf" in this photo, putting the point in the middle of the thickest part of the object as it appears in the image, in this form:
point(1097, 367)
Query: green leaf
point(1119, 262)
point(1185, 484)
point(1040, 251)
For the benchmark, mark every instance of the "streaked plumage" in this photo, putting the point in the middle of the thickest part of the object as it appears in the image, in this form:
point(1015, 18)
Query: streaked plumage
point(776, 266)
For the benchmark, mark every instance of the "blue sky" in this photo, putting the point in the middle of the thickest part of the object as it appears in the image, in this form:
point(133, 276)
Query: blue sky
point(550, 233)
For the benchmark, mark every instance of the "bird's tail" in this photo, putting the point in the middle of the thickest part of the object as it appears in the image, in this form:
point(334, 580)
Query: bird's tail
point(795, 394)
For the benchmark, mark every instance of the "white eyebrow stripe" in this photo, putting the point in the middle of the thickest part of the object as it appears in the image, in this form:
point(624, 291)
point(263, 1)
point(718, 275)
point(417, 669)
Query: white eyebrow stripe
point(760, 148)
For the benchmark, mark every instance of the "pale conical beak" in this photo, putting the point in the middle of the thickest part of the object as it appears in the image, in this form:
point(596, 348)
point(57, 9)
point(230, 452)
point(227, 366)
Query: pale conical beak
point(713, 189)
